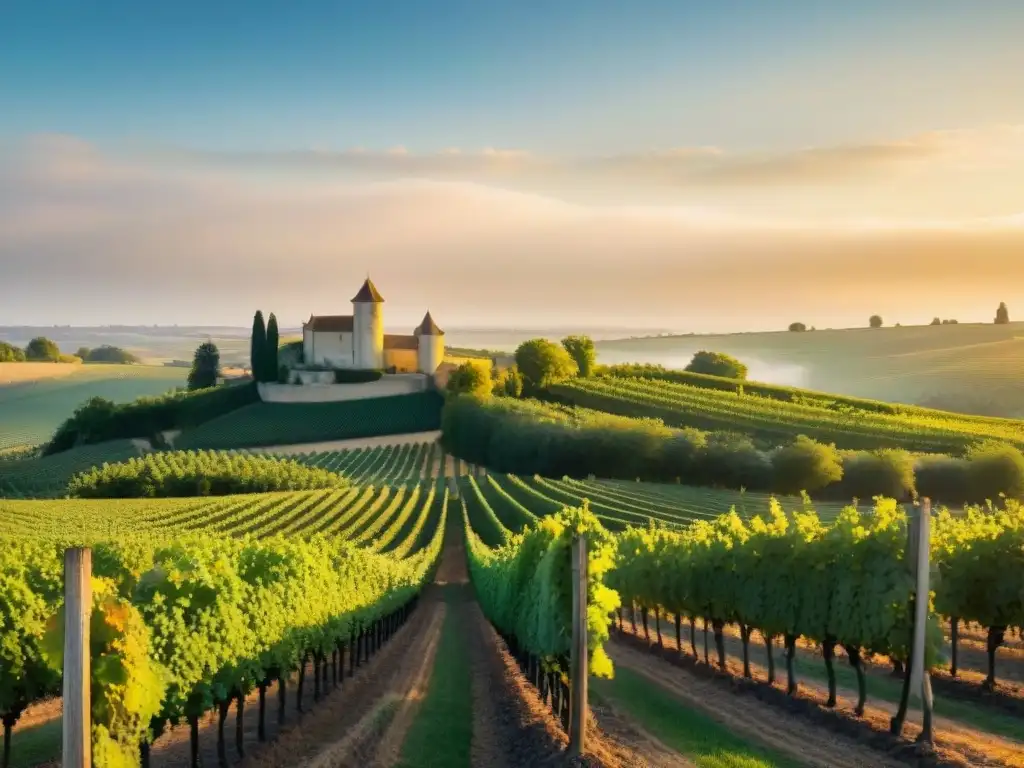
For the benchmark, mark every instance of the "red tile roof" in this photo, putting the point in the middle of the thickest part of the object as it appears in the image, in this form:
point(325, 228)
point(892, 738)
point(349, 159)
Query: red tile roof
point(330, 324)
point(400, 341)
point(368, 294)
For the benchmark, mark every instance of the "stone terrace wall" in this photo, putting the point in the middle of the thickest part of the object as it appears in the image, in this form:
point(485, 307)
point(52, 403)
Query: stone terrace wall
point(388, 385)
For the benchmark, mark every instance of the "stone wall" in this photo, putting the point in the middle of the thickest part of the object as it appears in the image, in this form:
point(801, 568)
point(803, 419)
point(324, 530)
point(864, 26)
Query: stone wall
point(388, 385)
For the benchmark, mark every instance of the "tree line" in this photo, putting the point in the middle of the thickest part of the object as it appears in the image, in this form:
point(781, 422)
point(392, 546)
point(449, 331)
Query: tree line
point(44, 350)
point(875, 321)
point(263, 348)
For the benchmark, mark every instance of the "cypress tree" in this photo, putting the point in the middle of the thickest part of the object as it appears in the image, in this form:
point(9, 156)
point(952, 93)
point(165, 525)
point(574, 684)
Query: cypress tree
point(1002, 314)
point(270, 359)
point(258, 347)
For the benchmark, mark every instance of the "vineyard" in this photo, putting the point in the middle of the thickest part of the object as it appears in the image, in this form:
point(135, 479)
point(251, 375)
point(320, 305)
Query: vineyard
point(744, 578)
point(202, 473)
point(714, 581)
point(775, 421)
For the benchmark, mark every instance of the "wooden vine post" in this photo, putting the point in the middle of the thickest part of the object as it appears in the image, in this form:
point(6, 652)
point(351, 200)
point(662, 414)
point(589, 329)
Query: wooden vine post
point(77, 728)
point(917, 681)
point(578, 659)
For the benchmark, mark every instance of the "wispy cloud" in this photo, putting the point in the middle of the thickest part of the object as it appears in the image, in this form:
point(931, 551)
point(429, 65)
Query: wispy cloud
point(680, 167)
point(121, 235)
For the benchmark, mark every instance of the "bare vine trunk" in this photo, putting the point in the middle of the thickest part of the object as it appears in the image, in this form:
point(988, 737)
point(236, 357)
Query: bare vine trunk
point(791, 684)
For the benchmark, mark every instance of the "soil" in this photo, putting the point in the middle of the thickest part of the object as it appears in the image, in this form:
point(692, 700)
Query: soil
point(956, 744)
point(1006, 697)
point(365, 723)
point(754, 720)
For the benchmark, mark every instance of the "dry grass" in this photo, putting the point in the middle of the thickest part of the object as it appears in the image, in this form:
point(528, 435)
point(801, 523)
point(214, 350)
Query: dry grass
point(20, 373)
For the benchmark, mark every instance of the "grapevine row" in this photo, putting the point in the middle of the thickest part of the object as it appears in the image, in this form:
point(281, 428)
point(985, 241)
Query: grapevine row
point(194, 623)
point(682, 405)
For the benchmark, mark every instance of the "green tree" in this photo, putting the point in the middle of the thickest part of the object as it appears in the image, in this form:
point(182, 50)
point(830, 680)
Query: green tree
point(42, 349)
point(581, 349)
point(10, 353)
point(83, 352)
point(875, 321)
point(542, 364)
point(205, 367)
point(273, 339)
point(508, 382)
point(1002, 314)
point(717, 364)
point(107, 354)
point(469, 379)
point(797, 327)
point(258, 347)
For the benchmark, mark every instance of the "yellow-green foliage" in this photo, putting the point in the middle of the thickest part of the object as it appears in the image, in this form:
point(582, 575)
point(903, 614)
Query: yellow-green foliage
point(182, 625)
point(783, 573)
point(980, 557)
point(525, 586)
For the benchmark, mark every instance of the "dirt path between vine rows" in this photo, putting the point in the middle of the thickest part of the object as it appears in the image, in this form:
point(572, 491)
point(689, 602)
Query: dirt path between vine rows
point(955, 741)
point(750, 718)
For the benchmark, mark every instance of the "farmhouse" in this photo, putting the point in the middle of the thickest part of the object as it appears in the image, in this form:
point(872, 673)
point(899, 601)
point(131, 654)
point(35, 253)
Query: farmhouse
point(358, 341)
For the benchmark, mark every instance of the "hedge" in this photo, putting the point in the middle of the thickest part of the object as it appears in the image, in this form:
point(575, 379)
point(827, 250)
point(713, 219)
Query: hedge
point(528, 437)
point(98, 420)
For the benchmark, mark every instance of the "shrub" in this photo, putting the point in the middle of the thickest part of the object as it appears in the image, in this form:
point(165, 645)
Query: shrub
point(205, 367)
point(202, 473)
point(42, 349)
point(994, 469)
point(10, 353)
point(507, 382)
point(731, 460)
point(543, 363)
point(107, 354)
point(356, 375)
point(797, 327)
point(886, 472)
point(1002, 314)
point(682, 453)
point(875, 321)
point(469, 379)
point(805, 465)
point(98, 420)
point(942, 478)
point(581, 349)
point(717, 364)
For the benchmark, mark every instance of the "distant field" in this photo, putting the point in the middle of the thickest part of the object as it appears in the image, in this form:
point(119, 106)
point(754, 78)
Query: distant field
point(32, 407)
point(974, 368)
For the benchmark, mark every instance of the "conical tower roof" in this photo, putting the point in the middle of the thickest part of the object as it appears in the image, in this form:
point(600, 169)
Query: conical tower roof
point(368, 294)
point(428, 327)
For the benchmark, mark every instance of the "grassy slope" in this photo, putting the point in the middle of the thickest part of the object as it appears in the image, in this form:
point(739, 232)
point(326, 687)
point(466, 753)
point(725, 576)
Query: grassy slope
point(31, 411)
point(287, 423)
point(975, 368)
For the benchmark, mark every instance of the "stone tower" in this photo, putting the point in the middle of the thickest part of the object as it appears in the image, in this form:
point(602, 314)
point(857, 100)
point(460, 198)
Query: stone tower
point(368, 327)
point(430, 353)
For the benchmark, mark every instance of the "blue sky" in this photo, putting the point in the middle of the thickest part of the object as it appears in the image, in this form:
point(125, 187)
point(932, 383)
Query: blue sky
point(562, 162)
point(558, 77)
